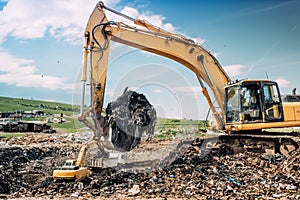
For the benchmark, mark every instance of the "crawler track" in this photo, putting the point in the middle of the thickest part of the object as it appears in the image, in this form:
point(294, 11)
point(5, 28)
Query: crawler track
point(261, 142)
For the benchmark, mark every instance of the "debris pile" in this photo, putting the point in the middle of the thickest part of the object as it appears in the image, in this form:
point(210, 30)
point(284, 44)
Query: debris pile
point(215, 175)
point(47, 139)
point(24, 167)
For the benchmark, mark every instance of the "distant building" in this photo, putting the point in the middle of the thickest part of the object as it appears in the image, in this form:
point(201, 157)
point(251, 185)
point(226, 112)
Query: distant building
point(21, 113)
point(38, 113)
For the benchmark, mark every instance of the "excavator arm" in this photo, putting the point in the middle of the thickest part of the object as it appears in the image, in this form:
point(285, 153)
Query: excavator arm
point(99, 32)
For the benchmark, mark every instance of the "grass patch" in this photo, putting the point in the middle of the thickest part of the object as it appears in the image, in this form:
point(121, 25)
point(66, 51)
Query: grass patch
point(11, 135)
point(179, 128)
point(165, 123)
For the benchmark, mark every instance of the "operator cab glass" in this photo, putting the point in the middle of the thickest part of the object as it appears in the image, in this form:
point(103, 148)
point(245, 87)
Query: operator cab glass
point(272, 103)
point(253, 101)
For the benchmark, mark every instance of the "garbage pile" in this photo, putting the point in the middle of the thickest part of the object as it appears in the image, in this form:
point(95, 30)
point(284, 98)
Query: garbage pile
point(23, 167)
point(46, 139)
point(219, 174)
point(130, 117)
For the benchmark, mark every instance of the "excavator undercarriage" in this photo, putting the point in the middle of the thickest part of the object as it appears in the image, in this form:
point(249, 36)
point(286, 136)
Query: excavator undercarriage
point(261, 142)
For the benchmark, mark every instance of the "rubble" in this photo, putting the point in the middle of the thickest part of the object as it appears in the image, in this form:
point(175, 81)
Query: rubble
point(220, 174)
point(24, 167)
point(46, 139)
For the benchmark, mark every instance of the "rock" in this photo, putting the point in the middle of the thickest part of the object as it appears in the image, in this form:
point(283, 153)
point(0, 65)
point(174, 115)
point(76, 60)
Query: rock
point(154, 179)
point(134, 190)
point(75, 194)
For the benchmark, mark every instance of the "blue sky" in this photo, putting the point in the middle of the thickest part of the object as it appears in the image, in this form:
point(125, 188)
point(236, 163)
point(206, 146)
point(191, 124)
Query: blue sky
point(41, 49)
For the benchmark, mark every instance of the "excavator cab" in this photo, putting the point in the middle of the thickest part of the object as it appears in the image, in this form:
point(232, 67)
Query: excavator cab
point(250, 101)
point(70, 164)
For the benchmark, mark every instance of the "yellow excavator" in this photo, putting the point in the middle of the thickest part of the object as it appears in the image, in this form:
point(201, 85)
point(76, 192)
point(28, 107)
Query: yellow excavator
point(246, 107)
point(73, 168)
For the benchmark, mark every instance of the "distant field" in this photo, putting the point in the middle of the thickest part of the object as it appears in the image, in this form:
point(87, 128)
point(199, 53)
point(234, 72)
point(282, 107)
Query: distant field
point(14, 104)
point(164, 127)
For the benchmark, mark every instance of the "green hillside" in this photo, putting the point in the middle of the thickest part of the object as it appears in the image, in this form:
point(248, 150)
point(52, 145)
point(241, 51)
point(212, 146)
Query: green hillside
point(164, 127)
point(14, 104)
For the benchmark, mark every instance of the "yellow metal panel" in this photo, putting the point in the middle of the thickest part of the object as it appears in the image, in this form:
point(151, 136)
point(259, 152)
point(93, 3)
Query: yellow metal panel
point(297, 111)
point(261, 125)
point(288, 112)
point(291, 111)
point(98, 56)
point(71, 174)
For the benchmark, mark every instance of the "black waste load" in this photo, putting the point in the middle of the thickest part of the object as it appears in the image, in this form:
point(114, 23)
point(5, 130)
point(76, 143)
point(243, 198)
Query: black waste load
point(130, 117)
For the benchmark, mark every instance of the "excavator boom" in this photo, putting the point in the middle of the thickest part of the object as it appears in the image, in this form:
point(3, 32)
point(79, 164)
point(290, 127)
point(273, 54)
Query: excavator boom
point(100, 32)
point(147, 37)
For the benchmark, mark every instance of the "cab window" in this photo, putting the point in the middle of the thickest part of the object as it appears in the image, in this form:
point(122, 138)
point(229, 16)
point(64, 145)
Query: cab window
point(232, 104)
point(273, 108)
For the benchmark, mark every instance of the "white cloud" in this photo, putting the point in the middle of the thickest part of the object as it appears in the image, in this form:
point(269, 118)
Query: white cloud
point(154, 19)
point(129, 11)
point(282, 82)
point(32, 19)
point(157, 20)
point(199, 40)
point(62, 19)
point(23, 73)
point(234, 70)
point(216, 54)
